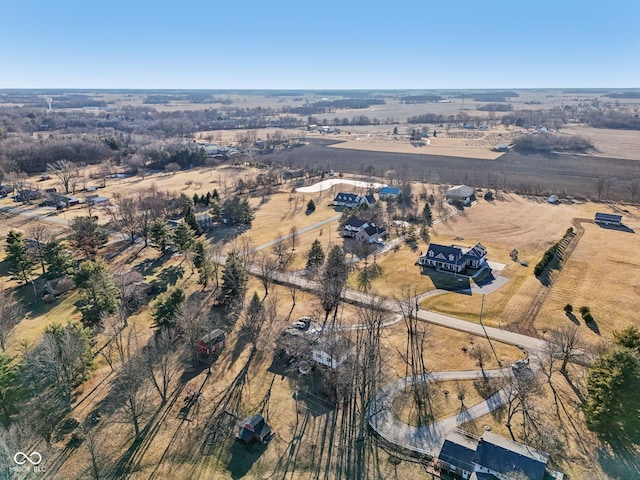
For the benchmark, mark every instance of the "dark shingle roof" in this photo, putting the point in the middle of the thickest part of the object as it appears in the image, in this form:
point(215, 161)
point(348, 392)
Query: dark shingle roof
point(370, 199)
point(505, 456)
point(372, 230)
point(254, 424)
point(442, 253)
point(346, 197)
point(608, 217)
point(355, 222)
point(458, 450)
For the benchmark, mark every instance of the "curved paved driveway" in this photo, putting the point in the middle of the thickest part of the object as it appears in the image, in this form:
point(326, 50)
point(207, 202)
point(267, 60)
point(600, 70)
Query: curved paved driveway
point(427, 439)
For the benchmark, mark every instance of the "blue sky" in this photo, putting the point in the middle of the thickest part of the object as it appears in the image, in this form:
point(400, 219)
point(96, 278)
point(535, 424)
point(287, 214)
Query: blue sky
point(319, 44)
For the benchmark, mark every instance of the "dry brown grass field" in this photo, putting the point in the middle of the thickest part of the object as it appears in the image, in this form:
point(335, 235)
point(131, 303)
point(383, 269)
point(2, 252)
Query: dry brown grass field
point(608, 142)
point(600, 271)
point(603, 272)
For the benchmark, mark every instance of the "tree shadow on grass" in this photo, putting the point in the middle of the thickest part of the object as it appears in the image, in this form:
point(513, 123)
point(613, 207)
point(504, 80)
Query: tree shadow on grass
point(448, 281)
point(572, 317)
point(167, 277)
point(593, 326)
point(621, 460)
point(148, 267)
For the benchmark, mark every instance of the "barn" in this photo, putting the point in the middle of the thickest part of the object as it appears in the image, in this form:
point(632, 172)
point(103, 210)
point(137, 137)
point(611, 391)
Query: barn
point(608, 219)
point(254, 429)
point(460, 193)
point(211, 343)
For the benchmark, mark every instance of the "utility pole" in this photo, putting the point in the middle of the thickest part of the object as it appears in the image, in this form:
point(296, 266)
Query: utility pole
point(486, 335)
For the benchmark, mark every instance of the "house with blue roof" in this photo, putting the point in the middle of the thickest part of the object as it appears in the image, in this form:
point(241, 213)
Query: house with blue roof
point(388, 192)
point(453, 258)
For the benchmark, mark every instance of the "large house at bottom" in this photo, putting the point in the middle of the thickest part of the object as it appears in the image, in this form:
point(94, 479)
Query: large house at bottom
point(490, 457)
point(453, 258)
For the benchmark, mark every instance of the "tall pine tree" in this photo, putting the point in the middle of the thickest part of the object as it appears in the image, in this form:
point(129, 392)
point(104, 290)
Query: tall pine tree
point(20, 262)
point(234, 281)
point(315, 257)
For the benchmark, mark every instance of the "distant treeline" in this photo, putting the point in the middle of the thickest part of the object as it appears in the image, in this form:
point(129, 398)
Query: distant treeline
point(497, 96)
point(70, 100)
point(420, 98)
point(327, 106)
point(33, 157)
point(617, 120)
point(428, 118)
point(629, 94)
point(496, 107)
point(196, 97)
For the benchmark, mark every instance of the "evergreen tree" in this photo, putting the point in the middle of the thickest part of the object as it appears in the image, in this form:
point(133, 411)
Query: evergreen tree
point(190, 219)
point(199, 250)
point(316, 255)
point(183, 237)
point(98, 290)
point(87, 236)
point(311, 206)
point(11, 393)
point(334, 278)
point(238, 212)
point(613, 408)
point(215, 195)
point(160, 234)
point(426, 215)
point(254, 319)
point(215, 209)
point(234, 281)
point(629, 337)
point(20, 262)
point(166, 308)
point(58, 259)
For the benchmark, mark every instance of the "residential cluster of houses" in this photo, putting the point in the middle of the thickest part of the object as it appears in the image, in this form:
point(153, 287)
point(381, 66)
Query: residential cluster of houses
point(491, 457)
point(50, 196)
point(457, 193)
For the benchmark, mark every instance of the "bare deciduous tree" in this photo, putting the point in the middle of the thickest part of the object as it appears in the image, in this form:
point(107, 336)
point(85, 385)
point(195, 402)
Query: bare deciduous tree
point(41, 235)
point(268, 267)
point(159, 363)
point(481, 355)
point(565, 343)
point(66, 173)
point(193, 322)
point(132, 392)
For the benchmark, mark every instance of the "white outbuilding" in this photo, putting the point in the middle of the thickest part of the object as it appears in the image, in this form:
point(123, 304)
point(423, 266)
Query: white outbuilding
point(460, 193)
